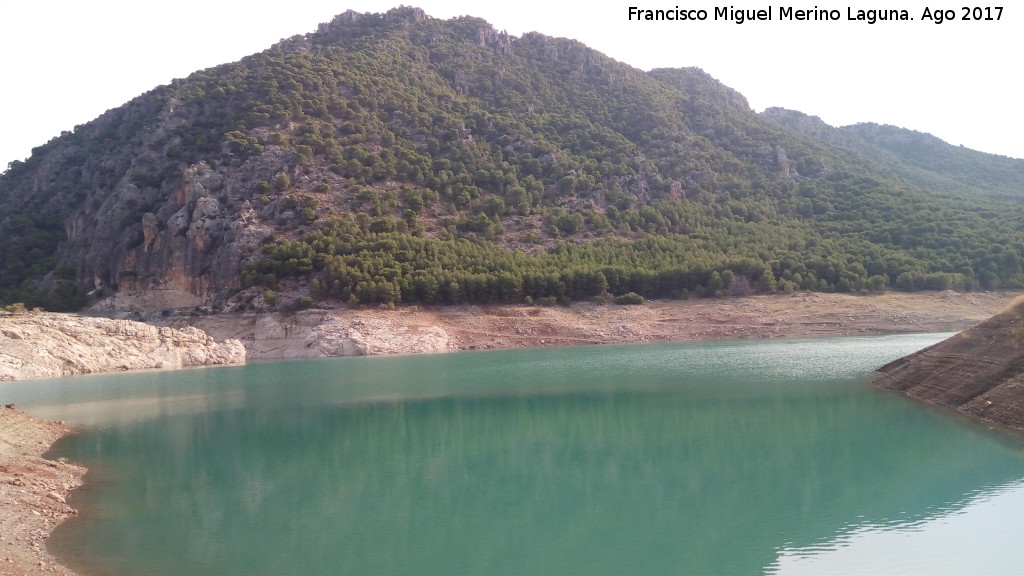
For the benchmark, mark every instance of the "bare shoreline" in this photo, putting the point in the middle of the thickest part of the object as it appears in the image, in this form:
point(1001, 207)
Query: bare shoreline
point(32, 489)
point(804, 315)
point(32, 493)
point(346, 331)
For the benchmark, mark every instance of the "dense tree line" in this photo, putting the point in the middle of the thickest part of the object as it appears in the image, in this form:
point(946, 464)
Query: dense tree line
point(346, 259)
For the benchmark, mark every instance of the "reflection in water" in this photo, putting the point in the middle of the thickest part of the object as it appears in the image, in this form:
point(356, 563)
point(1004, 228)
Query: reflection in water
point(685, 459)
point(982, 537)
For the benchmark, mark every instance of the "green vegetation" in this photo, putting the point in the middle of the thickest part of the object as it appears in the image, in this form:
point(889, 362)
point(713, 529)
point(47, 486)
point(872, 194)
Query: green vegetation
point(366, 261)
point(919, 158)
point(629, 299)
point(28, 245)
point(16, 308)
point(402, 159)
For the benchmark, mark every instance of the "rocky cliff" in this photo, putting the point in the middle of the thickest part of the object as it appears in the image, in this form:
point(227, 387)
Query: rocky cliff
point(979, 372)
point(42, 345)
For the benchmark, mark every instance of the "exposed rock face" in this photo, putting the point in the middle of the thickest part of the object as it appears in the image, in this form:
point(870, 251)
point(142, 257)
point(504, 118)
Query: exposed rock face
point(375, 336)
point(979, 372)
point(191, 242)
point(785, 169)
point(313, 334)
point(45, 345)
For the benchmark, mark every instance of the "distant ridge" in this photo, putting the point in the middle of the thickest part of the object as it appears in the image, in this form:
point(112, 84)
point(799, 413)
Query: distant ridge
point(919, 157)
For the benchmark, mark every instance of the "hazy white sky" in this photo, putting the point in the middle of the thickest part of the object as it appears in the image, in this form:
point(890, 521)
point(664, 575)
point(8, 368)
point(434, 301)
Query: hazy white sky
point(66, 62)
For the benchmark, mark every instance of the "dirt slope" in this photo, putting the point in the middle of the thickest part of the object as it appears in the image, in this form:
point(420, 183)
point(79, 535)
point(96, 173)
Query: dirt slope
point(979, 371)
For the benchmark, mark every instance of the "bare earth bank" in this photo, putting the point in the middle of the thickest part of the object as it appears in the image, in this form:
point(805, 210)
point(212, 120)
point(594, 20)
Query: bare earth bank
point(978, 372)
point(346, 332)
point(32, 492)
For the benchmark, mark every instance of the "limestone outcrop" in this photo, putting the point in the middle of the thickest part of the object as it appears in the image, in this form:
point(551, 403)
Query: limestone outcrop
point(979, 372)
point(43, 345)
point(314, 333)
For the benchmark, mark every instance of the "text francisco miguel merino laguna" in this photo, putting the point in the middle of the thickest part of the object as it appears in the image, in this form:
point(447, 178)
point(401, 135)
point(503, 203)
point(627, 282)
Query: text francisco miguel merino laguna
point(739, 16)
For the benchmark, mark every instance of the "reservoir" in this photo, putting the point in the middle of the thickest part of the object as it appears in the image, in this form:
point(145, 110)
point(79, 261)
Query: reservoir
point(772, 457)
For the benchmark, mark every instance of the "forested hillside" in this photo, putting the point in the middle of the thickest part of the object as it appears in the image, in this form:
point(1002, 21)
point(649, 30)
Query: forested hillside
point(391, 158)
point(921, 159)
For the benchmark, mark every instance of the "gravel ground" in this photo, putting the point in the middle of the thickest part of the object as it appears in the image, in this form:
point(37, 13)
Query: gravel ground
point(32, 492)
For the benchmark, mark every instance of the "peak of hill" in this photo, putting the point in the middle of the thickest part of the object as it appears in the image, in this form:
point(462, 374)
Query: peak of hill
point(396, 157)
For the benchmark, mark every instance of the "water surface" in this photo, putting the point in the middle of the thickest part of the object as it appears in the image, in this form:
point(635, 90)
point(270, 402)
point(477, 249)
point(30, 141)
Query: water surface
point(768, 457)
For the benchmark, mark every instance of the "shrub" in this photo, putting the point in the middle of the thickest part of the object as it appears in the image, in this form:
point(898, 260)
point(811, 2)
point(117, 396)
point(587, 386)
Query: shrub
point(629, 298)
point(16, 308)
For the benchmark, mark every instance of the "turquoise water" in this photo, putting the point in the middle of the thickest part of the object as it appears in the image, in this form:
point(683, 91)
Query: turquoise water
point(767, 457)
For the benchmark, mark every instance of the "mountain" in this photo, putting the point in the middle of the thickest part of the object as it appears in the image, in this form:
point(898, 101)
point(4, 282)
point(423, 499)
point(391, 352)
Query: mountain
point(920, 158)
point(979, 372)
point(397, 158)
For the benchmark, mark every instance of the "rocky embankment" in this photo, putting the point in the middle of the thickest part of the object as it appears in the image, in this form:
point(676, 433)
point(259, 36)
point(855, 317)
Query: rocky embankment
point(318, 333)
point(43, 345)
point(979, 372)
point(32, 492)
